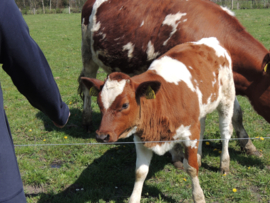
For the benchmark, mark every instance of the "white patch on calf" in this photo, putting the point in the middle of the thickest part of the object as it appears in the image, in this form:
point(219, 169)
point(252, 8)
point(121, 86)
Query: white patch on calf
point(213, 43)
point(111, 89)
point(228, 11)
point(162, 149)
point(130, 47)
point(172, 71)
point(171, 20)
point(129, 133)
point(183, 133)
point(142, 23)
point(151, 51)
point(214, 82)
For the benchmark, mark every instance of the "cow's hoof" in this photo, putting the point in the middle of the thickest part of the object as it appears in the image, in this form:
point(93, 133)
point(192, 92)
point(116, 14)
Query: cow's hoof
point(224, 171)
point(254, 153)
point(178, 165)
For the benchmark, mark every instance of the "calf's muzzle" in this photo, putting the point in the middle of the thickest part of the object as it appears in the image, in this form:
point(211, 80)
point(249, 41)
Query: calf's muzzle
point(102, 137)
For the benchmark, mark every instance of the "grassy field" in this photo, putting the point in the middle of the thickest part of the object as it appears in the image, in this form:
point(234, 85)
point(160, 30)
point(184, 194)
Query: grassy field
point(105, 173)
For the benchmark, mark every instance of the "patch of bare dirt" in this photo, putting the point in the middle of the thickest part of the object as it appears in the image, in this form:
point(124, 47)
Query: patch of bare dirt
point(33, 190)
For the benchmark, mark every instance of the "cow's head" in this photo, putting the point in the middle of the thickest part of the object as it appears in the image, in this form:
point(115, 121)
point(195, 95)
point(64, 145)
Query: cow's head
point(119, 102)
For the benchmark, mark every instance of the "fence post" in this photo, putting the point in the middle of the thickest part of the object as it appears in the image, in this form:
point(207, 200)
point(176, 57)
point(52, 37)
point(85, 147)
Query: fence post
point(232, 5)
point(237, 5)
point(34, 10)
point(69, 9)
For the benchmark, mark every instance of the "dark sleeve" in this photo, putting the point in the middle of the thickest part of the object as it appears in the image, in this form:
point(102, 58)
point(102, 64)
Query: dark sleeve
point(27, 66)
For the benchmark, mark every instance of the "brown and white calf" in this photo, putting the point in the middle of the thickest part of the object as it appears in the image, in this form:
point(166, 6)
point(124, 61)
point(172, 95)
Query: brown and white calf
point(127, 35)
point(166, 103)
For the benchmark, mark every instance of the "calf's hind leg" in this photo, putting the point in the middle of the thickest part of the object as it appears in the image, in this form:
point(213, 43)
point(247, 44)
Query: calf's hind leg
point(225, 111)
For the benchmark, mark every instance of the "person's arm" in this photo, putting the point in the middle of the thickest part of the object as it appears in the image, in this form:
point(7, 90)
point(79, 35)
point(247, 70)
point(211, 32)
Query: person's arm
point(27, 66)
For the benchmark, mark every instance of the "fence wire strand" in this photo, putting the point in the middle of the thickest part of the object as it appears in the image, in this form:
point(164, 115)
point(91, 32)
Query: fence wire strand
point(142, 142)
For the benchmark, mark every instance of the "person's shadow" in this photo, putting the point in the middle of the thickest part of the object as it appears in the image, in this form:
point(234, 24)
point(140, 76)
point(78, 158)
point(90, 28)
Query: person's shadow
point(111, 176)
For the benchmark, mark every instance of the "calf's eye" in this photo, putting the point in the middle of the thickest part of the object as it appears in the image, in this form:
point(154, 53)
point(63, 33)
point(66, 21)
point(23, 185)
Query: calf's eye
point(125, 106)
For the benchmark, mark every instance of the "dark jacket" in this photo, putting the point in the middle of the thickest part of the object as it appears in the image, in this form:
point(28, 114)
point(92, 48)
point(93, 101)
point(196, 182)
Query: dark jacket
point(25, 63)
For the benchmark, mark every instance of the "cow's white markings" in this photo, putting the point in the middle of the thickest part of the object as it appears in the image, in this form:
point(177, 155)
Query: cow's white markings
point(130, 47)
point(151, 51)
point(228, 11)
point(171, 20)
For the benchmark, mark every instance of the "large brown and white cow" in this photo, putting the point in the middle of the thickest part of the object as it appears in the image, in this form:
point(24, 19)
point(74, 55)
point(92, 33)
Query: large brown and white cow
point(166, 103)
point(127, 35)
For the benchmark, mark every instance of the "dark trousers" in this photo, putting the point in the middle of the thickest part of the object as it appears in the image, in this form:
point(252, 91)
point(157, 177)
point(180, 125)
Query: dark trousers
point(11, 187)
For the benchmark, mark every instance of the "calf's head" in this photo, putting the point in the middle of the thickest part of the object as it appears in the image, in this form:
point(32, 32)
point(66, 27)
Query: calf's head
point(119, 98)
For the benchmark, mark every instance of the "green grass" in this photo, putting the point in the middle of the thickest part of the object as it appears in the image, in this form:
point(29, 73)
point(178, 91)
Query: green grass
point(106, 172)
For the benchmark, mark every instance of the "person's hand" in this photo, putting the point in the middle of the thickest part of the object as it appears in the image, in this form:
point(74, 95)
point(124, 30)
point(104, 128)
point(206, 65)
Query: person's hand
point(61, 126)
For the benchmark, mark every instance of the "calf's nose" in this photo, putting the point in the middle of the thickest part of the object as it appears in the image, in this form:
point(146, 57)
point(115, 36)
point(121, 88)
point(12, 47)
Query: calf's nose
point(102, 137)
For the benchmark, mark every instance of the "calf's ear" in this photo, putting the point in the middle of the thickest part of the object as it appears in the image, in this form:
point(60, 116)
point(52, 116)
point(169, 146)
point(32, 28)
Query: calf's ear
point(93, 85)
point(147, 89)
point(266, 63)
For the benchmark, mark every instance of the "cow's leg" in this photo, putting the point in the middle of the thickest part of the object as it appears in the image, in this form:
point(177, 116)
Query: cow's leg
point(192, 168)
point(237, 120)
point(144, 157)
point(90, 69)
point(199, 154)
point(177, 156)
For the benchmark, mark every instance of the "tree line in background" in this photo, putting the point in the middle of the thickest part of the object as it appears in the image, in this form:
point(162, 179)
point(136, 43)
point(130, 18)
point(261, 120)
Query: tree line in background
point(243, 4)
point(49, 6)
point(74, 6)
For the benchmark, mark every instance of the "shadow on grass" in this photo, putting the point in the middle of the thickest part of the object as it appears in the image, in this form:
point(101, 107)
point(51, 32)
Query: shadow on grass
point(235, 155)
point(74, 126)
point(110, 177)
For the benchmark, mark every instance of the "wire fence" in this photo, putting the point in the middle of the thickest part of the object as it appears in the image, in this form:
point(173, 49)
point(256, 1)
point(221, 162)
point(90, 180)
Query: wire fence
point(142, 142)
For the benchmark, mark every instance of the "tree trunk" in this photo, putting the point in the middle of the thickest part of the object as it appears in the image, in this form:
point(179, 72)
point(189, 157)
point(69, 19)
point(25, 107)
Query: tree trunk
point(42, 1)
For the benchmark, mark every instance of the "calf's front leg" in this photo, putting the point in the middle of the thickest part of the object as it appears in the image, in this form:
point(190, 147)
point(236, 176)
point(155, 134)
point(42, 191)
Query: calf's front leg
point(144, 157)
point(192, 168)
